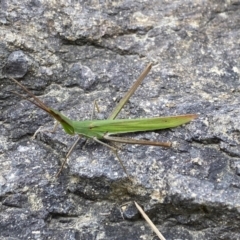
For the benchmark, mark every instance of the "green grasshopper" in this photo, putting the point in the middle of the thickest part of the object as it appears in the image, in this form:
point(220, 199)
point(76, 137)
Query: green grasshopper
point(108, 129)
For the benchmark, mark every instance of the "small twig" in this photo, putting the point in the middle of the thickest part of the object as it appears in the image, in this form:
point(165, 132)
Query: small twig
point(148, 220)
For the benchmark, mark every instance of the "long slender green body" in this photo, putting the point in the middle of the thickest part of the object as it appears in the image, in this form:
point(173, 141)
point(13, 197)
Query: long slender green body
point(99, 128)
point(106, 129)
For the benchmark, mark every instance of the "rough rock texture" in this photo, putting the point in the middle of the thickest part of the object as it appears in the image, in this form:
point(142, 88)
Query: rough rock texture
point(70, 53)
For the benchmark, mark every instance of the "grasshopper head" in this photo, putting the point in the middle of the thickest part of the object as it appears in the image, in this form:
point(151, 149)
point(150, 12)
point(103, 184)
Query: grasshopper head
point(63, 120)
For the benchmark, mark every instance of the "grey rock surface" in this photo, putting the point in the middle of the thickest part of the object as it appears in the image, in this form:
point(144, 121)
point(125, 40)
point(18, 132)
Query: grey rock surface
point(70, 53)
